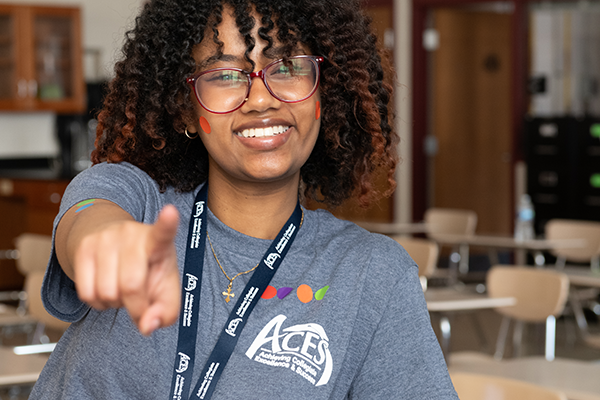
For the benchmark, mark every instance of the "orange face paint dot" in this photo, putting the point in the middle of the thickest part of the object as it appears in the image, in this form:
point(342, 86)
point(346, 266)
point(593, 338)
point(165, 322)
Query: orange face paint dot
point(318, 110)
point(269, 293)
point(205, 125)
point(304, 293)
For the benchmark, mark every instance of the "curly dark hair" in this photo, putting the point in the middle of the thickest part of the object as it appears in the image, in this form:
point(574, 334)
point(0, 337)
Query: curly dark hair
point(144, 113)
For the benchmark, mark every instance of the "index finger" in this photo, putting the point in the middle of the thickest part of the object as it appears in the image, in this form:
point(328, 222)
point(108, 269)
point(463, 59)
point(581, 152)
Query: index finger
point(164, 230)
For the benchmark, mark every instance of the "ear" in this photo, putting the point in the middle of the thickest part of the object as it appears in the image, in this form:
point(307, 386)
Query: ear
point(190, 122)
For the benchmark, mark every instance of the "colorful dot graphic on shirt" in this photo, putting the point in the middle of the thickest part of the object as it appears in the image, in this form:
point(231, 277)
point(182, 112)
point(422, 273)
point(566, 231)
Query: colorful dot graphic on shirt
point(84, 204)
point(283, 292)
point(205, 125)
point(304, 293)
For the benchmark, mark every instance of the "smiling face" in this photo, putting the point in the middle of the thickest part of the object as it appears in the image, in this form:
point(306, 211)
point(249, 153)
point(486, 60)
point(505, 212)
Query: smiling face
point(265, 140)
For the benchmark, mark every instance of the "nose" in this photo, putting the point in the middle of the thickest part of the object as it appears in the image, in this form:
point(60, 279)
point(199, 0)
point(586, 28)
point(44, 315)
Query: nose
point(259, 98)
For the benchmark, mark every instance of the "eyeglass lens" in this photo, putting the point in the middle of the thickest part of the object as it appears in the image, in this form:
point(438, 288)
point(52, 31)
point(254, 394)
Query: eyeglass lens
point(223, 90)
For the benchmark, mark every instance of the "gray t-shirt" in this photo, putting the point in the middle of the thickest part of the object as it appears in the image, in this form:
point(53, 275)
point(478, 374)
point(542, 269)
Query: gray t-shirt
point(346, 317)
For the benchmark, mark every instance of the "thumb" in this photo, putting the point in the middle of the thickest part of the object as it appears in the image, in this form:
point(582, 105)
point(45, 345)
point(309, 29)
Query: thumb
point(163, 231)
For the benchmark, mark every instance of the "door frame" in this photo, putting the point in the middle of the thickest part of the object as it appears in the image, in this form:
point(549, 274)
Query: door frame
point(519, 68)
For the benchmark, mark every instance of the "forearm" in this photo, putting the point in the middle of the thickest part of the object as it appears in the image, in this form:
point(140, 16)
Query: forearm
point(74, 226)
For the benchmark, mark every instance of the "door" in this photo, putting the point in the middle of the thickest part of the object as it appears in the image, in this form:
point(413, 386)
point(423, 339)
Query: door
point(470, 114)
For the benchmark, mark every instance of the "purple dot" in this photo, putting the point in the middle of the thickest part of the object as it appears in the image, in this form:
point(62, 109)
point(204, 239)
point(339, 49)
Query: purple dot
point(283, 292)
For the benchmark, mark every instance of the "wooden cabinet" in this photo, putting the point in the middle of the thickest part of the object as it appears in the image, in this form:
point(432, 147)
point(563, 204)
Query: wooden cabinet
point(41, 59)
point(25, 206)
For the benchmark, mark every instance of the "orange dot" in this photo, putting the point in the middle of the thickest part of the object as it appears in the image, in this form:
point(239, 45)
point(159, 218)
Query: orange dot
point(205, 125)
point(304, 293)
point(318, 110)
point(269, 292)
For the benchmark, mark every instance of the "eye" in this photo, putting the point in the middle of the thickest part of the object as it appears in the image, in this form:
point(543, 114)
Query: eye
point(296, 68)
point(281, 69)
point(225, 77)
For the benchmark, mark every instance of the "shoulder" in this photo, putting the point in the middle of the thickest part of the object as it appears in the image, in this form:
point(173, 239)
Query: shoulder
point(113, 174)
point(123, 184)
point(379, 253)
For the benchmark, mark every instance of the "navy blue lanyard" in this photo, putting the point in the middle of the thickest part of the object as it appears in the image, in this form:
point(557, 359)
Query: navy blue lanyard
point(190, 298)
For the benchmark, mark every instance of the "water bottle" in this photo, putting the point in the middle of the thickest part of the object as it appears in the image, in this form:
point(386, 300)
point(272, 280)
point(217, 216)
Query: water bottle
point(524, 221)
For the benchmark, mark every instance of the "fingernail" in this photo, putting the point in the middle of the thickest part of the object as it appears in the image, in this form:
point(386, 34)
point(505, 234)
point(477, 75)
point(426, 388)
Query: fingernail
point(152, 326)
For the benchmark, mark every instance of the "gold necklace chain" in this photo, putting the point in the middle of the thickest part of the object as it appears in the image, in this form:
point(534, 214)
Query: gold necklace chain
point(228, 293)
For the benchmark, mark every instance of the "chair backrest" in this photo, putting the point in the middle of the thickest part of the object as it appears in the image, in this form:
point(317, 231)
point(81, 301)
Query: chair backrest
point(35, 307)
point(424, 252)
point(34, 252)
point(488, 387)
point(450, 221)
point(575, 229)
point(539, 293)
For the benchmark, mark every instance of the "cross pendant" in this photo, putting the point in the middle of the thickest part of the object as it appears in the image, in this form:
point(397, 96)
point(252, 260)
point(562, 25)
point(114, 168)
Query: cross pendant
point(228, 294)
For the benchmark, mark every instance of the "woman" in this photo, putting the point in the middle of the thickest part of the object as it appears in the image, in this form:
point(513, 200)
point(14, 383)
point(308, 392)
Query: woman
point(221, 115)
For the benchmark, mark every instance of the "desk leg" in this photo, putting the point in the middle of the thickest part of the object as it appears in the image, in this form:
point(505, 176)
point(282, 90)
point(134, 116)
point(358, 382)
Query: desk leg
point(493, 257)
point(578, 311)
point(446, 331)
point(520, 257)
point(463, 266)
point(550, 338)
point(502, 335)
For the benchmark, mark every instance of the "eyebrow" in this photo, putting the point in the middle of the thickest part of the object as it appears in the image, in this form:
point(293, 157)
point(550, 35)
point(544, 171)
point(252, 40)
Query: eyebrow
point(216, 58)
point(205, 64)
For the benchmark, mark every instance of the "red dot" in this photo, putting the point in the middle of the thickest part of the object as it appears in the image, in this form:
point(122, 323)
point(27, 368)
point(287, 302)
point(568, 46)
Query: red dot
point(205, 125)
point(269, 292)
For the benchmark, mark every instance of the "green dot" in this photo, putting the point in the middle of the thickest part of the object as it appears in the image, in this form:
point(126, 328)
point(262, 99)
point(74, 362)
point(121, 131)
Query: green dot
point(595, 130)
point(321, 293)
point(595, 180)
point(83, 203)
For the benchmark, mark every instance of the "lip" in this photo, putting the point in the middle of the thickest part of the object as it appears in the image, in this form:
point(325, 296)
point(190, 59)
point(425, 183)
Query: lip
point(268, 143)
point(262, 123)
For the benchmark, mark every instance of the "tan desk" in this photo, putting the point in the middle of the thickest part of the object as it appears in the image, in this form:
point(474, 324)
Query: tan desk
point(577, 379)
point(495, 242)
point(508, 242)
point(451, 299)
point(9, 316)
point(582, 276)
point(398, 228)
point(19, 370)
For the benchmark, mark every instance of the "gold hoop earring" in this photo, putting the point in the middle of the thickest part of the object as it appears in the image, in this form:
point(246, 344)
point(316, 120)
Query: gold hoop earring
point(188, 135)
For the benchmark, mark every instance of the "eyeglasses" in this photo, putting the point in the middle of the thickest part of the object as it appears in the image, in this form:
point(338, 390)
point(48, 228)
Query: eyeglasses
point(223, 90)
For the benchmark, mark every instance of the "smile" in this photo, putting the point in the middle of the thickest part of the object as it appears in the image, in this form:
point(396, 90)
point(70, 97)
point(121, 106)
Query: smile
point(263, 132)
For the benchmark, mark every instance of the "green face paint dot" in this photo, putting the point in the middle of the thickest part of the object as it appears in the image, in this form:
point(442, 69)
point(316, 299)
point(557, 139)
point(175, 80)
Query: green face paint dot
point(595, 180)
point(321, 293)
point(595, 130)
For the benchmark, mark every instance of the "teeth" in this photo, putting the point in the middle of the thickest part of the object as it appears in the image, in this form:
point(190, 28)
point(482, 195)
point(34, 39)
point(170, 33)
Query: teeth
point(263, 132)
